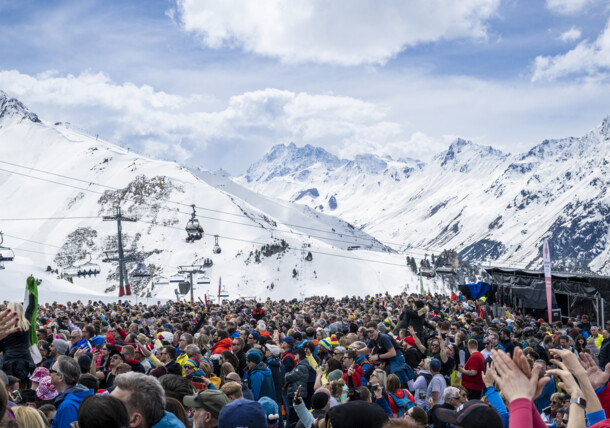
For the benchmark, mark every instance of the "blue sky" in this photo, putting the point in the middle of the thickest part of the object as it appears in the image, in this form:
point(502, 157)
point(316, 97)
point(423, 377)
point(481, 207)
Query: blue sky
point(216, 83)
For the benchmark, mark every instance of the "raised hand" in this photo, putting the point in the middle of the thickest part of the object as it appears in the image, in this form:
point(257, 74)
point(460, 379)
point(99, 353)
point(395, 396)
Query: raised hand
point(597, 377)
point(568, 383)
point(8, 323)
point(513, 382)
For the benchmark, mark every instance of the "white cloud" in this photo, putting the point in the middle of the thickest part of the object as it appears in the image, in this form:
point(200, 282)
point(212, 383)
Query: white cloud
point(567, 7)
point(571, 35)
point(171, 126)
point(344, 32)
point(589, 58)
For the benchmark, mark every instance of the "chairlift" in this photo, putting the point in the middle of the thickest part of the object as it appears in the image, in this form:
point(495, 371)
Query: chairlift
point(216, 249)
point(309, 256)
point(141, 271)
point(176, 278)
point(88, 268)
point(193, 228)
point(70, 272)
point(6, 254)
point(203, 280)
point(207, 263)
point(160, 280)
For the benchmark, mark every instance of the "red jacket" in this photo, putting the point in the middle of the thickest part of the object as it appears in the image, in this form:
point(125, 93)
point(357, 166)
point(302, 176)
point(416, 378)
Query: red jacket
point(222, 345)
point(356, 377)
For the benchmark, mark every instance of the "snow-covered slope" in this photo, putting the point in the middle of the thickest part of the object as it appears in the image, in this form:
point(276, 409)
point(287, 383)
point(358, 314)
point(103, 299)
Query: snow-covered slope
point(486, 204)
point(50, 219)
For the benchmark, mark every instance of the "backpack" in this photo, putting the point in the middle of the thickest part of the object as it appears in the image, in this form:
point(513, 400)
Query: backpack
point(404, 403)
point(427, 376)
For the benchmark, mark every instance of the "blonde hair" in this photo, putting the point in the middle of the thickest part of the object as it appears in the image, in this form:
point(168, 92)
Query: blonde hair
point(382, 376)
point(225, 369)
point(23, 324)
point(28, 417)
point(232, 389)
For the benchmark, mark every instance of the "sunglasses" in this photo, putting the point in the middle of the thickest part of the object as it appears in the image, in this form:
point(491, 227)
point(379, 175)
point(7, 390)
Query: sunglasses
point(115, 357)
point(555, 402)
point(51, 371)
point(370, 331)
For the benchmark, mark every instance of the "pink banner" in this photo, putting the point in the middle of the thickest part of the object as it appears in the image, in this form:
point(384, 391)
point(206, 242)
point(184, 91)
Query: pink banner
point(546, 259)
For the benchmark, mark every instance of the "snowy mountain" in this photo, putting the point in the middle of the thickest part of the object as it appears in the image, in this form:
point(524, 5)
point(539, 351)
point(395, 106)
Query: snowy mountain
point(57, 184)
point(486, 204)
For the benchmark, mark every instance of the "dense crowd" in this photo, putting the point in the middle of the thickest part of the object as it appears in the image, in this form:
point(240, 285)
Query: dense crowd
point(379, 361)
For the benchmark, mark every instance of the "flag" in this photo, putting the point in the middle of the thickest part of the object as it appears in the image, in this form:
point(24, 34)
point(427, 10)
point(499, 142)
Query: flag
point(32, 287)
point(141, 266)
point(206, 299)
point(421, 283)
point(546, 258)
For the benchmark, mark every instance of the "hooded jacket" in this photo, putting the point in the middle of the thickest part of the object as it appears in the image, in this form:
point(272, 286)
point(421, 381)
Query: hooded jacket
point(222, 345)
point(67, 404)
point(298, 377)
point(260, 381)
point(169, 420)
point(278, 373)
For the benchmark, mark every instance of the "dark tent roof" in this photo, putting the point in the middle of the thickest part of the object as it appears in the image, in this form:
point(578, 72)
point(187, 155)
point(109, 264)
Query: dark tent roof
point(529, 286)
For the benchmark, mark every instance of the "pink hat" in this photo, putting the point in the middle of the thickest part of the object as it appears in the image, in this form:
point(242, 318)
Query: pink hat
point(46, 390)
point(39, 373)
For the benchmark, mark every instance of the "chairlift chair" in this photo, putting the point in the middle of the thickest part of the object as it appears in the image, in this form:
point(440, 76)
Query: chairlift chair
point(193, 228)
point(71, 272)
point(6, 254)
point(88, 268)
point(160, 280)
point(216, 249)
point(309, 256)
point(203, 280)
point(176, 278)
point(207, 263)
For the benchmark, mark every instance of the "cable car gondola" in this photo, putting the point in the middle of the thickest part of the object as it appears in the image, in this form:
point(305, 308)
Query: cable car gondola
point(193, 228)
point(6, 254)
point(216, 249)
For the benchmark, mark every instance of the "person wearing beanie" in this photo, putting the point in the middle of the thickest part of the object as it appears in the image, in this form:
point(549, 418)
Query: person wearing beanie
point(58, 347)
point(192, 370)
point(271, 410)
point(287, 356)
point(258, 376)
point(242, 413)
point(413, 355)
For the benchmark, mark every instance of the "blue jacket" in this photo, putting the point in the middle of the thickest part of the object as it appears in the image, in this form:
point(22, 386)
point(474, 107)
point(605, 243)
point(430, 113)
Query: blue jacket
point(67, 404)
point(169, 421)
point(260, 381)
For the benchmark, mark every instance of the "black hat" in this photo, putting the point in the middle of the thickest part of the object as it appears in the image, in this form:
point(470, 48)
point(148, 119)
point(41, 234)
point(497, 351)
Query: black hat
point(319, 400)
point(357, 414)
point(471, 414)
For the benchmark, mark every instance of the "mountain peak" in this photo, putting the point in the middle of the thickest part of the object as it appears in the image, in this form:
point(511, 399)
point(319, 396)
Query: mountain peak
point(604, 128)
point(463, 151)
point(283, 160)
point(11, 107)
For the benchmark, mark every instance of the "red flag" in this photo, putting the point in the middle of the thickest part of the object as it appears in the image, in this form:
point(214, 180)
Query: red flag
point(206, 300)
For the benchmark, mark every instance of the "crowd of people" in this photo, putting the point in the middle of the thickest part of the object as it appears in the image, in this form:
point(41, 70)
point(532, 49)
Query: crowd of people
point(378, 361)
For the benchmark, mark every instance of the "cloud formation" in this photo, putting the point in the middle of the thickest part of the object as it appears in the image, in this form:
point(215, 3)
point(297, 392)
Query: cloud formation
point(571, 35)
point(343, 32)
point(173, 127)
point(587, 58)
point(567, 7)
